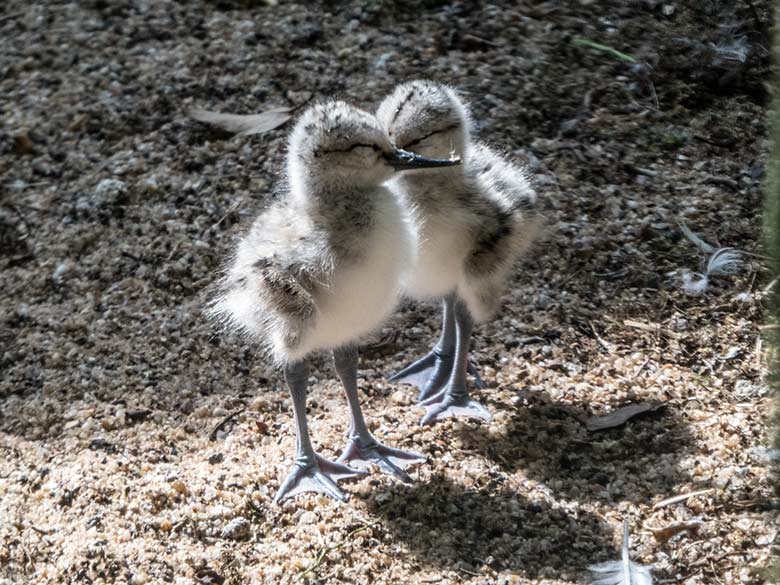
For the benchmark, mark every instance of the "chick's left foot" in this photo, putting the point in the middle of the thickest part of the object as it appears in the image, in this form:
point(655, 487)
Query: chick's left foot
point(364, 453)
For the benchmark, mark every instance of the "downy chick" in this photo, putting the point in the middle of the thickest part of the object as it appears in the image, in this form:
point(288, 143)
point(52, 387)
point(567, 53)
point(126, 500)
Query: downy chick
point(319, 268)
point(473, 222)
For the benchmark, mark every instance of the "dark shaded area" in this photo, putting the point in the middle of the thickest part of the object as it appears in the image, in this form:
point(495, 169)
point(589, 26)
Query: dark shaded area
point(446, 525)
point(550, 444)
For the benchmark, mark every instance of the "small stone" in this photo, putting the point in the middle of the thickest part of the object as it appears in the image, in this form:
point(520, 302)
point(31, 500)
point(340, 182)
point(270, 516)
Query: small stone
point(307, 518)
point(179, 486)
point(383, 497)
point(258, 404)
point(109, 192)
point(201, 412)
point(215, 458)
point(401, 398)
point(236, 529)
point(62, 271)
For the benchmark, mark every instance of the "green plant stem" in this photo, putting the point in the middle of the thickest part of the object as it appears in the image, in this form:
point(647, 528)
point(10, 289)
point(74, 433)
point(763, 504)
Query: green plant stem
point(604, 49)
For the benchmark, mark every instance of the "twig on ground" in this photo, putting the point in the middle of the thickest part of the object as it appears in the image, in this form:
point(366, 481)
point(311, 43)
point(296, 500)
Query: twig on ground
point(651, 327)
point(223, 422)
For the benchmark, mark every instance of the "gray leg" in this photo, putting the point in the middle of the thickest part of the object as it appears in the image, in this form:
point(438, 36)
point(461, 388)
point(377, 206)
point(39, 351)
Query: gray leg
point(431, 372)
point(362, 448)
point(454, 399)
point(311, 472)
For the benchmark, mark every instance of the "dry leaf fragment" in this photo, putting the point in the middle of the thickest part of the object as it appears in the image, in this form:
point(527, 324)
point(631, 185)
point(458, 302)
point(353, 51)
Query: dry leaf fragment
point(680, 498)
point(22, 142)
point(244, 125)
point(664, 534)
point(620, 416)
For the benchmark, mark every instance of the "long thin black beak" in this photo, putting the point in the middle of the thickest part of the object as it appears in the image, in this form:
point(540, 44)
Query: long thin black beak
point(402, 160)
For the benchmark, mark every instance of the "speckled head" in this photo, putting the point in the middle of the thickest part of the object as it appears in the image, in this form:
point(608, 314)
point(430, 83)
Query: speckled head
point(336, 145)
point(334, 142)
point(427, 118)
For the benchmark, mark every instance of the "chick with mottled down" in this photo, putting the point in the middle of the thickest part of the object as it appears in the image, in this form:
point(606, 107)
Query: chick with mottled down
point(319, 268)
point(472, 223)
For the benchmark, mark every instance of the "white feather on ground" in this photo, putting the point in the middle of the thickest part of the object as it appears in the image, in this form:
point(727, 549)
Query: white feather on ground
point(722, 262)
point(622, 572)
point(243, 125)
point(697, 241)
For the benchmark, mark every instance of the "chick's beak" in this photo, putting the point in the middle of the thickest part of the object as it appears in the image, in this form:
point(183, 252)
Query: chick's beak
point(402, 160)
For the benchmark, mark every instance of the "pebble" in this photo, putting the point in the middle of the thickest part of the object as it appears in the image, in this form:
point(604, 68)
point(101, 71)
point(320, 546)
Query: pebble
point(237, 529)
point(401, 398)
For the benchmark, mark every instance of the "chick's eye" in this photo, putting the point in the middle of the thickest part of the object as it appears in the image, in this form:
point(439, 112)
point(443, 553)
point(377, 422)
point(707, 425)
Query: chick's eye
point(366, 147)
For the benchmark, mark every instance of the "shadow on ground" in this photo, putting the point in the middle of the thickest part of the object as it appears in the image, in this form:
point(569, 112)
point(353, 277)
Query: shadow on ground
point(549, 444)
point(454, 527)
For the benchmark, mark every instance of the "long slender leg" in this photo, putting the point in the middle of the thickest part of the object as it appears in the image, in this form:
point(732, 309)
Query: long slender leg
point(431, 372)
point(311, 472)
point(454, 399)
point(362, 447)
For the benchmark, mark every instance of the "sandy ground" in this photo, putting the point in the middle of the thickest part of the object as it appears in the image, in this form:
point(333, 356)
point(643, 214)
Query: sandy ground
point(139, 447)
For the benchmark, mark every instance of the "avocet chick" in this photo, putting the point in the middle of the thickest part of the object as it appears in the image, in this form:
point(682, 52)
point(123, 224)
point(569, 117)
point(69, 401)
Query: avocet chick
point(473, 222)
point(319, 268)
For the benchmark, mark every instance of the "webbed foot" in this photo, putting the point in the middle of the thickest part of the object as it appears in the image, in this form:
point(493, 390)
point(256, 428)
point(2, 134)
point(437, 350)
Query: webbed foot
point(449, 404)
point(389, 460)
point(431, 372)
point(316, 475)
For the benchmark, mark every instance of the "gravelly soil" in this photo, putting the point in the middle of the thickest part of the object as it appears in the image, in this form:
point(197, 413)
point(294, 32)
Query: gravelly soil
point(120, 460)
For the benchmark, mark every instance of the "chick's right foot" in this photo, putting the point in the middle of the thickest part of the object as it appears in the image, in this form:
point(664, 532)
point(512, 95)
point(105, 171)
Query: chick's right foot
point(430, 373)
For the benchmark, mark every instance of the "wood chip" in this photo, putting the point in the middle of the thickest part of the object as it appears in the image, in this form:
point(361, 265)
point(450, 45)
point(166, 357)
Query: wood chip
point(22, 142)
point(620, 416)
point(664, 534)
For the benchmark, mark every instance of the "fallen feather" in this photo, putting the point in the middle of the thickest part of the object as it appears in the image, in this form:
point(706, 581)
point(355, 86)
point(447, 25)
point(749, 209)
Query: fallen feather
point(680, 498)
point(244, 125)
point(695, 283)
point(723, 262)
point(620, 416)
point(696, 240)
point(622, 572)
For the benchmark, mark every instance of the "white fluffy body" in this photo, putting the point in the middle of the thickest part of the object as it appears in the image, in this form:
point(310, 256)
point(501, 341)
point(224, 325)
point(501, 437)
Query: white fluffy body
point(321, 267)
point(358, 298)
point(474, 221)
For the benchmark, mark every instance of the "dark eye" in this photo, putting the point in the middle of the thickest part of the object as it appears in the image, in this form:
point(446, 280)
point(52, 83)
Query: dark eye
point(373, 147)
